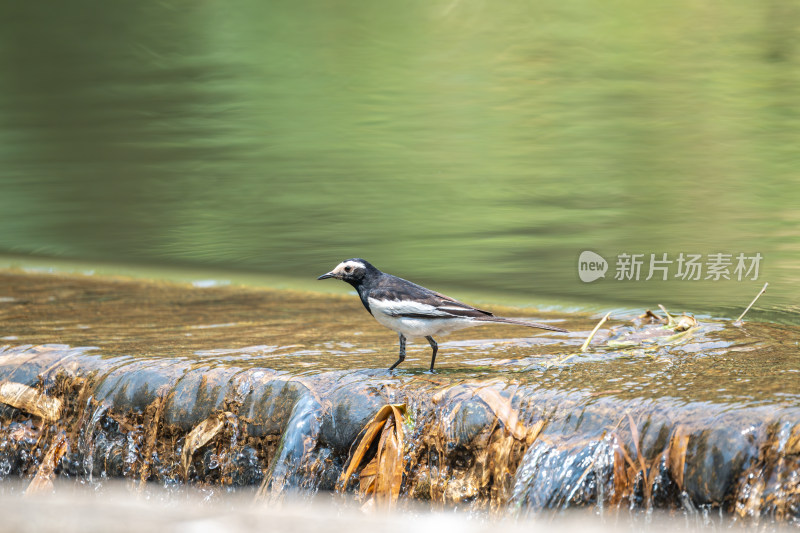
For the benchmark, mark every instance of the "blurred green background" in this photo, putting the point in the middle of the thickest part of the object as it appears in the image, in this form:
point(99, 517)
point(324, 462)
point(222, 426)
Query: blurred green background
point(478, 145)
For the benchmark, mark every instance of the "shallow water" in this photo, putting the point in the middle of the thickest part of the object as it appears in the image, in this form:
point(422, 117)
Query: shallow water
point(296, 376)
point(307, 333)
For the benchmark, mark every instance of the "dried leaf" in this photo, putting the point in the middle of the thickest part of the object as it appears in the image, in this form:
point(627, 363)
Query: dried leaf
point(793, 443)
point(389, 475)
point(535, 431)
point(383, 475)
point(621, 483)
point(398, 420)
point(43, 480)
point(625, 454)
point(676, 455)
point(367, 476)
point(642, 464)
point(669, 316)
point(30, 400)
point(505, 413)
point(502, 409)
point(373, 428)
point(200, 435)
point(152, 419)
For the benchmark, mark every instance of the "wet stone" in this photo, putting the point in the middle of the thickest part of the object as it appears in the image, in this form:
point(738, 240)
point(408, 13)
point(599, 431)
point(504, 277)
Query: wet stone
point(665, 492)
point(351, 407)
point(563, 473)
point(197, 394)
point(331, 467)
point(108, 455)
point(28, 364)
point(135, 385)
point(10, 462)
point(714, 460)
point(211, 466)
point(655, 432)
point(468, 418)
point(268, 406)
point(246, 468)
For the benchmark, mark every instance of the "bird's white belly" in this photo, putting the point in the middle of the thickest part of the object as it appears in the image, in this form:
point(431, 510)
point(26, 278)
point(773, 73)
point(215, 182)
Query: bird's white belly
point(423, 327)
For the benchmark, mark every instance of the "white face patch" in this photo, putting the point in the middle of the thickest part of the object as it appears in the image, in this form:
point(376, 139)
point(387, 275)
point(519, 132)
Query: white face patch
point(348, 267)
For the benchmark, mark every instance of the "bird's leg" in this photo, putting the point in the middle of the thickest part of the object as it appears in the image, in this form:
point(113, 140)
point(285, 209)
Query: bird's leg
point(402, 352)
point(435, 349)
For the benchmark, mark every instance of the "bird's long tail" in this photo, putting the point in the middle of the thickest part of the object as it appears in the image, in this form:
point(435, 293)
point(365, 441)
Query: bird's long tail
point(516, 322)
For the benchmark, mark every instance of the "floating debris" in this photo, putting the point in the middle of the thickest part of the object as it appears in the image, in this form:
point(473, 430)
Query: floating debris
point(653, 318)
point(658, 331)
point(682, 323)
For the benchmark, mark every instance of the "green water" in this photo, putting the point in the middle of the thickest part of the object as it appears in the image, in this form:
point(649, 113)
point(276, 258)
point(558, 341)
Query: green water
point(468, 146)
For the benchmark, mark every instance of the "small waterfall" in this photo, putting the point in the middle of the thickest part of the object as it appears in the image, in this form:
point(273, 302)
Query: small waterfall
point(298, 456)
point(507, 448)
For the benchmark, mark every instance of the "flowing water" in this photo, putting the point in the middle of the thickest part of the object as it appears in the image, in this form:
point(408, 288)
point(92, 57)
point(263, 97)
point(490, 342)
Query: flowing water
point(477, 148)
point(234, 389)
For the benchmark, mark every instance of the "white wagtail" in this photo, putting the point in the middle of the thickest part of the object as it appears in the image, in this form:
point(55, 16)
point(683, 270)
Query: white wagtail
point(412, 310)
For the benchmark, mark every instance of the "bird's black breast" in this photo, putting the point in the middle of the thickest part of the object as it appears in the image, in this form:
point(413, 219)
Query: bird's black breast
point(363, 296)
point(365, 288)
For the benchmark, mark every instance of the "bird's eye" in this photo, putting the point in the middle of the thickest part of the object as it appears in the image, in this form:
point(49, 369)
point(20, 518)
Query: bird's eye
point(347, 269)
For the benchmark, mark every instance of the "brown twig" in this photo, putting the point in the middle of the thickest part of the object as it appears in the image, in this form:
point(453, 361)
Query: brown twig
point(738, 321)
point(585, 345)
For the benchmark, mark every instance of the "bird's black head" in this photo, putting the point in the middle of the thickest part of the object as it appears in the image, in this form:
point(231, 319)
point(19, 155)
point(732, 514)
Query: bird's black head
point(353, 271)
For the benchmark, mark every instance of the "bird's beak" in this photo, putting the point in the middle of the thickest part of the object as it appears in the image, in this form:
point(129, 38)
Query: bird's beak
point(328, 275)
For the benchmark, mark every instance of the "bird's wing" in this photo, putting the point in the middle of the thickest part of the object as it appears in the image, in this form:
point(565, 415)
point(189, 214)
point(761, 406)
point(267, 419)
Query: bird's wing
point(401, 298)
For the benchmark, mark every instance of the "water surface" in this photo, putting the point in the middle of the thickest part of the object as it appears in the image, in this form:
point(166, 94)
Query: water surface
point(463, 145)
point(307, 334)
point(514, 422)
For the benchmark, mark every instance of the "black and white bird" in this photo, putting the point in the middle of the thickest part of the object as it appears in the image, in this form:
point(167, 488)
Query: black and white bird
point(412, 310)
